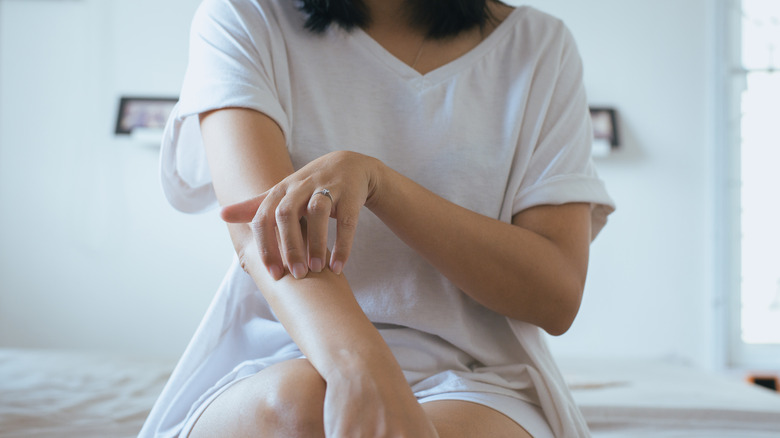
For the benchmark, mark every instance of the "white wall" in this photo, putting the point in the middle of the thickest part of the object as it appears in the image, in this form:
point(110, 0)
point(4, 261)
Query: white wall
point(92, 257)
point(649, 291)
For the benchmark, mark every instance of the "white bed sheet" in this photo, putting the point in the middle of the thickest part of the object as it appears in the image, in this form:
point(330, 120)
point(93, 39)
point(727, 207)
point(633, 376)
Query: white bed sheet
point(69, 394)
point(47, 394)
point(646, 398)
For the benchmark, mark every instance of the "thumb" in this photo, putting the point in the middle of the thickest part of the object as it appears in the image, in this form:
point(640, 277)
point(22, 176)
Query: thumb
point(242, 212)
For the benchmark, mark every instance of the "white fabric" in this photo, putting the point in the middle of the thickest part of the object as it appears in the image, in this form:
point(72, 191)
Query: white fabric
point(63, 393)
point(530, 416)
point(501, 129)
point(645, 397)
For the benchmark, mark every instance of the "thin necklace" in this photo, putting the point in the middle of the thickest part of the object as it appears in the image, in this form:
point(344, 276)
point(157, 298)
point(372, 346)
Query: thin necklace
point(419, 52)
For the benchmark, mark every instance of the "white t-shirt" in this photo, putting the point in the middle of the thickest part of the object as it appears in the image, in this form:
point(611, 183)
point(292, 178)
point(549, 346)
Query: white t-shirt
point(501, 129)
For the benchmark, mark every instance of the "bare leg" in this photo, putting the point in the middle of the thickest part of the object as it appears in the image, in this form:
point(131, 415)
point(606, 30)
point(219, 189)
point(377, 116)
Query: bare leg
point(283, 400)
point(286, 400)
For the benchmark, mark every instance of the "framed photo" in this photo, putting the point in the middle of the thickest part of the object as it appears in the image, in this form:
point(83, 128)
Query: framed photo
point(605, 125)
point(143, 113)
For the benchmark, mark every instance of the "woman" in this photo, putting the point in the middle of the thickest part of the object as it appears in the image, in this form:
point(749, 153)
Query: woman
point(463, 129)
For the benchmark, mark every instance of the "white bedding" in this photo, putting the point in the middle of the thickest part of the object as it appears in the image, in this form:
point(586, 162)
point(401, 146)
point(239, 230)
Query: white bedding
point(67, 394)
point(639, 398)
point(64, 394)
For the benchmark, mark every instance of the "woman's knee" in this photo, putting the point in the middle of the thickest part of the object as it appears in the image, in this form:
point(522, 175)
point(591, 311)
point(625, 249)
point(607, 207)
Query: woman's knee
point(284, 400)
point(289, 399)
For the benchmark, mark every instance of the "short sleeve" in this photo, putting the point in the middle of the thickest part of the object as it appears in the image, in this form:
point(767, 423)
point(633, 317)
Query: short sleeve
point(237, 58)
point(561, 169)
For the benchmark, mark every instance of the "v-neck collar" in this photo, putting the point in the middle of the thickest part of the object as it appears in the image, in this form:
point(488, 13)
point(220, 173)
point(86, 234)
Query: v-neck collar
point(445, 71)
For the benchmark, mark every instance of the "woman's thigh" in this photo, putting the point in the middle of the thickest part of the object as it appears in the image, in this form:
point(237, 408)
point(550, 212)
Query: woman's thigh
point(287, 399)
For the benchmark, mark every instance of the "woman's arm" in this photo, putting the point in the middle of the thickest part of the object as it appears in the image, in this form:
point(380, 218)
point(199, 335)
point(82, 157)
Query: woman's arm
point(247, 155)
point(533, 269)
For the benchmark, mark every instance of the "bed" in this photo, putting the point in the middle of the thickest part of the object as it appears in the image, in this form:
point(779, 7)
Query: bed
point(62, 394)
point(70, 394)
point(646, 398)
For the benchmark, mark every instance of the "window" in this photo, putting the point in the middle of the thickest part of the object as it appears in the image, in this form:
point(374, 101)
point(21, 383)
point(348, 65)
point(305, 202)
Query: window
point(756, 230)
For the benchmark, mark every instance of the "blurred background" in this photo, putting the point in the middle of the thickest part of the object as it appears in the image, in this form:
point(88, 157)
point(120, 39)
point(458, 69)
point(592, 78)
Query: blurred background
point(93, 258)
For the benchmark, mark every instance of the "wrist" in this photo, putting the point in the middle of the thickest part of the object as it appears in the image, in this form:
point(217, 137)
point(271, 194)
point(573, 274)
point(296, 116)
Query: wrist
point(374, 360)
point(379, 173)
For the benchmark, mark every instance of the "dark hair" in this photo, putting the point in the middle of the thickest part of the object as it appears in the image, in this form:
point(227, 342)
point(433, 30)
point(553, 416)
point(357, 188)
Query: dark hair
point(439, 18)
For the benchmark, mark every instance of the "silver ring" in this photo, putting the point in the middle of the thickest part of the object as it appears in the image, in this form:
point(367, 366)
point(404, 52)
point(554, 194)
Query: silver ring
point(324, 192)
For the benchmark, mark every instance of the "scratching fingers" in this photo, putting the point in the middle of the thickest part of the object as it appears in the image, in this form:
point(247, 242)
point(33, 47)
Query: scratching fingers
point(317, 214)
point(346, 223)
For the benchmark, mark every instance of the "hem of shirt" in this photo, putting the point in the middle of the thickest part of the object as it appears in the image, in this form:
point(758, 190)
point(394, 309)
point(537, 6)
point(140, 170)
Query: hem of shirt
point(181, 194)
point(566, 189)
point(527, 415)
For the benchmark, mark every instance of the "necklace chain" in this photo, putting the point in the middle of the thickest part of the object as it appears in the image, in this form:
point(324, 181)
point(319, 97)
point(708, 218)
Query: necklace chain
point(419, 52)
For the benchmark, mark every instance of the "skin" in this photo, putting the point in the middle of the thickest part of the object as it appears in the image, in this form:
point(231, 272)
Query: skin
point(350, 384)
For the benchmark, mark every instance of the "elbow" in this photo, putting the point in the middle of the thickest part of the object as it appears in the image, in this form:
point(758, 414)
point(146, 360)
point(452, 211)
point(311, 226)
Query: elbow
point(559, 327)
point(564, 312)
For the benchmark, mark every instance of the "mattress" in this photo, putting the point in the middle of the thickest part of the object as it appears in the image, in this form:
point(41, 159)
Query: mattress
point(69, 394)
point(647, 398)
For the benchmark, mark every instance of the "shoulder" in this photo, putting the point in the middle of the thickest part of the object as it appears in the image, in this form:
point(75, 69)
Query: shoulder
point(245, 29)
point(246, 16)
point(538, 30)
point(238, 7)
point(537, 40)
point(538, 21)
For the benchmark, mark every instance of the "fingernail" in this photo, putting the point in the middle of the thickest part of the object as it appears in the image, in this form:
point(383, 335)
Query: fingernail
point(316, 264)
point(299, 270)
point(336, 267)
point(276, 271)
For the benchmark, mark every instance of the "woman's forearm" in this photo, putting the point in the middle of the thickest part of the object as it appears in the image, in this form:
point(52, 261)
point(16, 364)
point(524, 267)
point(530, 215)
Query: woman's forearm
point(513, 270)
point(247, 155)
point(320, 313)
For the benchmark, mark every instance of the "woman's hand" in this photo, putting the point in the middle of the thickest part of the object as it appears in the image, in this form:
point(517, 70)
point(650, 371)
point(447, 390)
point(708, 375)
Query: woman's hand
point(368, 402)
point(335, 185)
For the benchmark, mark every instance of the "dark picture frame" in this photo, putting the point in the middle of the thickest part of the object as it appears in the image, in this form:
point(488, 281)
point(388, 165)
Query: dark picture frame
point(143, 112)
point(605, 125)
